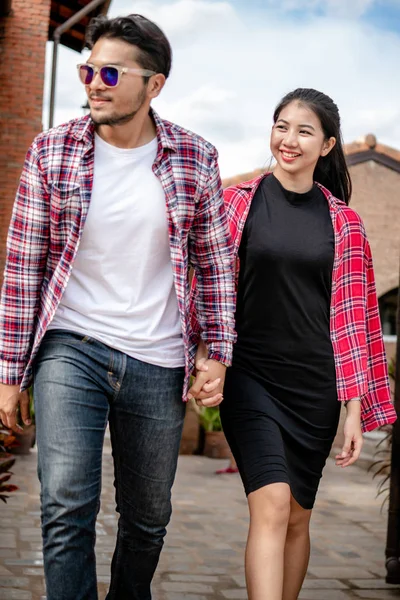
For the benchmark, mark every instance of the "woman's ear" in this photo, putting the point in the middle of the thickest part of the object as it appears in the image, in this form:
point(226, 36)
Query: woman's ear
point(328, 145)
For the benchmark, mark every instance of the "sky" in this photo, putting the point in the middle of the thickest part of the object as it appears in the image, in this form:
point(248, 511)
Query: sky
point(233, 60)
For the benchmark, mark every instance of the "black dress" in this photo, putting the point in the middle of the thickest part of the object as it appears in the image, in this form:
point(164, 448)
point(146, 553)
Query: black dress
point(281, 411)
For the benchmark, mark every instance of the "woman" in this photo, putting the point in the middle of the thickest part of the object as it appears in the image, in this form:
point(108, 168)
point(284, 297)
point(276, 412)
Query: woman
point(308, 335)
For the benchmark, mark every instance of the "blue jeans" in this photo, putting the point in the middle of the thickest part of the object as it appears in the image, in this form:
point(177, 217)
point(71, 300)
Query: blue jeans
point(79, 385)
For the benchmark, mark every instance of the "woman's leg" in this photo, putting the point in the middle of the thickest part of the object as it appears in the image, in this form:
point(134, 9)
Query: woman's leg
point(297, 550)
point(269, 515)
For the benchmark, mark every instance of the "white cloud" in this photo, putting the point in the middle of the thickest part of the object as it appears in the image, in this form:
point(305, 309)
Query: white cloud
point(185, 20)
point(207, 108)
point(344, 8)
point(337, 8)
point(231, 69)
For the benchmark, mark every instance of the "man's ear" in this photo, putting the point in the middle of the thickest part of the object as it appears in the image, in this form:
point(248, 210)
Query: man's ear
point(155, 85)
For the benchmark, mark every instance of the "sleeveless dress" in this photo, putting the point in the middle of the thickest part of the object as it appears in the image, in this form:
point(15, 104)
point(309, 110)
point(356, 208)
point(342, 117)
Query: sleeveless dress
point(280, 413)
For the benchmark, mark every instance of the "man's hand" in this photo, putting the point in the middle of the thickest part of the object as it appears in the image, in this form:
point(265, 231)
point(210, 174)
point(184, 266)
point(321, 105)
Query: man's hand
point(209, 382)
point(10, 399)
point(353, 439)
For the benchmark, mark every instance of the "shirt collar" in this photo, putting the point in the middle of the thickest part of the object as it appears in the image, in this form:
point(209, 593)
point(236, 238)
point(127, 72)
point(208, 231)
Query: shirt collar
point(334, 203)
point(252, 185)
point(166, 139)
point(83, 130)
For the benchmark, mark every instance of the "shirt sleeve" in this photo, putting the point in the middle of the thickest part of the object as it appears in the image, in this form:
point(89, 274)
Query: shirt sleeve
point(27, 248)
point(377, 364)
point(211, 255)
point(352, 400)
point(378, 393)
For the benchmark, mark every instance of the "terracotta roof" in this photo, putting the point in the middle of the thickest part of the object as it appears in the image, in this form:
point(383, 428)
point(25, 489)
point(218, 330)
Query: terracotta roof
point(62, 10)
point(369, 142)
point(357, 152)
point(370, 149)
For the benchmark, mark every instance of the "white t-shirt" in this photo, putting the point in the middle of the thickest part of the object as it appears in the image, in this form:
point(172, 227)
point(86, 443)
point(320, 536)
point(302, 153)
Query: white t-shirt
point(121, 288)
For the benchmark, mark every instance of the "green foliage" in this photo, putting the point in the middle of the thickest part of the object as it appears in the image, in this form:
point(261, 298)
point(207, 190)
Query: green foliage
point(31, 404)
point(209, 418)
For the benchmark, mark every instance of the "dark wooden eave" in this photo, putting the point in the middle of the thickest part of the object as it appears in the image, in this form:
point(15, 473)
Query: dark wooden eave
point(371, 154)
point(62, 10)
point(5, 8)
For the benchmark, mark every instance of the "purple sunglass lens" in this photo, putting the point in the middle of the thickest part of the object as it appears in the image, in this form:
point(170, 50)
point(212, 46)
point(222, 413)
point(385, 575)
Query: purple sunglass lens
point(109, 76)
point(86, 72)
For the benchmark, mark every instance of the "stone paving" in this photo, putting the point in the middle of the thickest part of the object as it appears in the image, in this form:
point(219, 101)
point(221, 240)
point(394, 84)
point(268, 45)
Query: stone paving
point(203, 555)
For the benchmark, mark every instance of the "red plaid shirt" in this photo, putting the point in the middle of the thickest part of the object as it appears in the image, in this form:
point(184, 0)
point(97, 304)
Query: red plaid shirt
point(48, 219)
point(360, 358)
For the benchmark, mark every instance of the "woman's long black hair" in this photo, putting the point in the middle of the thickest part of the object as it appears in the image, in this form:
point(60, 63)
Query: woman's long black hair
point(331, 170)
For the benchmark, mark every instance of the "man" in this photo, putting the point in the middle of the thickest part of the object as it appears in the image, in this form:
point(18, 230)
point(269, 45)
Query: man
point(111, 210)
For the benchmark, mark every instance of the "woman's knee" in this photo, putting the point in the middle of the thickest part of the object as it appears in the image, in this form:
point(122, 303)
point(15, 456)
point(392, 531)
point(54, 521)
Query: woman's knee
point(270, 505)
point(299, 519)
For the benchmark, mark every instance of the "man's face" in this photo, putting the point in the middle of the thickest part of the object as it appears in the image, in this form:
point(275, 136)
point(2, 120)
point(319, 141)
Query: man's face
point(117, 105)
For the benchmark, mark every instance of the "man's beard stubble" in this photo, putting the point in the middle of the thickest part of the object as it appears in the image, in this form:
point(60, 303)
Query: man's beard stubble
point(116, 119)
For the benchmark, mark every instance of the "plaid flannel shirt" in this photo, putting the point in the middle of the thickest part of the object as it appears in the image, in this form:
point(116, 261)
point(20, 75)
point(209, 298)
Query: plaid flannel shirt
point(47, 222)
point(360, 358)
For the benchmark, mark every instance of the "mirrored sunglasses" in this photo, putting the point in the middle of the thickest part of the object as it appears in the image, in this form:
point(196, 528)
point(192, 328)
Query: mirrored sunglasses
point(110, 75)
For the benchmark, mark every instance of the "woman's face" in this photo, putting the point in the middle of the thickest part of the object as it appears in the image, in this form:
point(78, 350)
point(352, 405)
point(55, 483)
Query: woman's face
point(297, 139)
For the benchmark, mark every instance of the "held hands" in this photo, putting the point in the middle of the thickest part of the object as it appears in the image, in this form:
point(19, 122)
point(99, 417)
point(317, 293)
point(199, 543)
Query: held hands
point(10, 399)
point(353, 439)
point(210, 376)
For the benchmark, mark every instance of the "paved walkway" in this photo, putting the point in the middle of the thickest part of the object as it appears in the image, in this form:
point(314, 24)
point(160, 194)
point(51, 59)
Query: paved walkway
point(203, 556)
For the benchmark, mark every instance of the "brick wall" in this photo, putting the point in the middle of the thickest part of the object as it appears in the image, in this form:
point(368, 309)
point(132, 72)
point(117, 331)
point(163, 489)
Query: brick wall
point(23, 36)
point(376, 198)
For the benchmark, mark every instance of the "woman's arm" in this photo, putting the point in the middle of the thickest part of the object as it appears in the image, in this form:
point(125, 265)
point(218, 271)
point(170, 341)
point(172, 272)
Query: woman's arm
point(353, 439)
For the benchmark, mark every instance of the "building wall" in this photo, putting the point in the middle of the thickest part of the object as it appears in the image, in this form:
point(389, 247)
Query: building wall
point(23, 36)
point(376, 198)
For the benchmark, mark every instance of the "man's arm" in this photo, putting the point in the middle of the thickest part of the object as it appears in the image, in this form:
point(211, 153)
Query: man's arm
point(27, 249)
point(211, 253)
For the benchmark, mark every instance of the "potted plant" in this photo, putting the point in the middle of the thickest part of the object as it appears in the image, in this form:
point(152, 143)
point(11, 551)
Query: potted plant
point(6, 462)
point(215, 445)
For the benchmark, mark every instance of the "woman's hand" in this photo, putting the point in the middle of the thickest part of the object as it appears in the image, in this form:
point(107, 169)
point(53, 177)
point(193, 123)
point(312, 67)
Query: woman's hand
point(209, 382)
point(353, 439)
